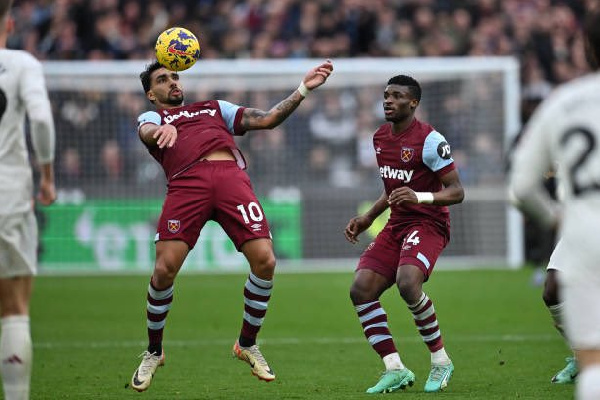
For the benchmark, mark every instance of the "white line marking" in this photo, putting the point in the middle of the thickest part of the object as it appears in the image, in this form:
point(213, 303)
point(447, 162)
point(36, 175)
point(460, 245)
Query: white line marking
point(512, 338)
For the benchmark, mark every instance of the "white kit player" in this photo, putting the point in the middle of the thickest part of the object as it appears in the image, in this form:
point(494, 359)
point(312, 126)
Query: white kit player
point(566, 130)
point(22, 92)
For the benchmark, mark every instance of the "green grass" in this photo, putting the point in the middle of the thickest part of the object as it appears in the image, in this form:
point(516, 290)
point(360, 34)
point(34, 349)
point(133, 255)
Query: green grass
point(88, 332)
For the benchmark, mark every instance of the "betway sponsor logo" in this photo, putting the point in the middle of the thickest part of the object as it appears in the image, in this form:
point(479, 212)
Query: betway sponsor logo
point(187, 114)
point(393, 173)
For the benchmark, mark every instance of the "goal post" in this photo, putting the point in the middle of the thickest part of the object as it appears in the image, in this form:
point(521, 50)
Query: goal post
point(312, 173)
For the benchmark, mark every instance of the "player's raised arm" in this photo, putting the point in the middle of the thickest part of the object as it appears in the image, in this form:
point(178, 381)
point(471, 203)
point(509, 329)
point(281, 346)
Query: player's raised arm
point(253, 118)
point(152, 133)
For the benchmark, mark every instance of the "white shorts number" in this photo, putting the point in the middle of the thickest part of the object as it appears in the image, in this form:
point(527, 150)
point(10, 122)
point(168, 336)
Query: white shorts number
point(253, 211)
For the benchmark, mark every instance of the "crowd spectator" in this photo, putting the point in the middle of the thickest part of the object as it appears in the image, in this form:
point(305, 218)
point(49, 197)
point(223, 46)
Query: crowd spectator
point(544, 35)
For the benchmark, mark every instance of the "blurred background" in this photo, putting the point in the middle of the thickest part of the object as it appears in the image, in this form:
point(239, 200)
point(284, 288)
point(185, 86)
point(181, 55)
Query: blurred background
point(484, 66)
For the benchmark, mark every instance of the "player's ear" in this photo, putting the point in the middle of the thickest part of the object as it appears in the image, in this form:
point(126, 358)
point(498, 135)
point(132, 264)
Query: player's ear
point(413, 104)
point(150, 96)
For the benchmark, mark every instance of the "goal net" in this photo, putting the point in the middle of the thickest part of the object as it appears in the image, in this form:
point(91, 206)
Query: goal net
point(312, 173)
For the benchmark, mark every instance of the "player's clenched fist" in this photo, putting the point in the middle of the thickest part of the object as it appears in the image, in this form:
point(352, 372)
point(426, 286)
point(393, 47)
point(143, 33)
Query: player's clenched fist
point(401, 195)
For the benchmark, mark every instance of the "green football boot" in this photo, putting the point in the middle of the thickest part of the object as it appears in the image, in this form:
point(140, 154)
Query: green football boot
point(438, 377)
point(568, 373)
point(393, 380)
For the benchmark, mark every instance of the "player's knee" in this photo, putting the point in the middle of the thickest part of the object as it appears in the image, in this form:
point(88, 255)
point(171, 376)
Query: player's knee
point(410, 289)
point(360, 294)
point(164, 272)
point(550, 293)
point(550, 297)
point(264, 265)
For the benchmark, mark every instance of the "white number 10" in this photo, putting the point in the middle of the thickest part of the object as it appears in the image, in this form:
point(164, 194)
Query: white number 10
point(254, 211)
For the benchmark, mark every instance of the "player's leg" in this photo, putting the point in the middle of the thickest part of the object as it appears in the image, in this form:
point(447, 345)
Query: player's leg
point(365, 292)
point(257, 293)
point(588, 381)
point(555, 306)
point(374, 274)
point(15, 339)
point(18, 263)
point(422, 246)
point(580, 290)
point(170, 255)
point(242, 217)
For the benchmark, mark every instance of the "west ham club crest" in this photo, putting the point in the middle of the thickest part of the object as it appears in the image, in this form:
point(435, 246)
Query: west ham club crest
point(173, 225)
point(407, 154)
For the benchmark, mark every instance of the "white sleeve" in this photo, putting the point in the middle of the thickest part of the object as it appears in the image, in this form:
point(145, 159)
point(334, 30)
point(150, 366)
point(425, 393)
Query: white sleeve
point(149, 117)
point(532, 160)
point(35, 96)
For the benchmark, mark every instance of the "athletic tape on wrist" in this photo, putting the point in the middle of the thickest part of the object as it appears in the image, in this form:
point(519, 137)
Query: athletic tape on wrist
point(424, 197)
point(303, 89)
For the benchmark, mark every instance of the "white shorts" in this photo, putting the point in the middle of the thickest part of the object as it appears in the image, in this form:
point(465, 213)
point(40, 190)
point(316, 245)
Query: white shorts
point(558, 258)
point(18, 245)
point(580, 292)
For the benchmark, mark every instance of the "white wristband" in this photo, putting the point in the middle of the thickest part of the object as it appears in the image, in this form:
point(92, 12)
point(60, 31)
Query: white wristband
point(303, 89)
point(424, 197)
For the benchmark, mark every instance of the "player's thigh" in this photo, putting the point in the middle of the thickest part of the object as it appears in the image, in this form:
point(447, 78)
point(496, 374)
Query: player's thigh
point(382, 256)
point(18, 245)
point(422, 244)
point(238, 210)
point(184, 213)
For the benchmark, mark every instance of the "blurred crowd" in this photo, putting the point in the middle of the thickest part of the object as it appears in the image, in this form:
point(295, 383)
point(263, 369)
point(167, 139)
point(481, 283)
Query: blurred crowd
point(544, 35)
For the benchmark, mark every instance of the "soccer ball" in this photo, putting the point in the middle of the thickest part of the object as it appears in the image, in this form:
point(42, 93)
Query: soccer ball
point(177, 49)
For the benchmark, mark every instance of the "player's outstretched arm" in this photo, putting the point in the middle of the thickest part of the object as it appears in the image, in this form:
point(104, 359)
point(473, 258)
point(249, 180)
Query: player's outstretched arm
point(254, 118)
point(360, 223)
point(158, 135)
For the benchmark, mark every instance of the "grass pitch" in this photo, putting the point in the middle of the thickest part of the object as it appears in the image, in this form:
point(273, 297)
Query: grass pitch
point(88, 332)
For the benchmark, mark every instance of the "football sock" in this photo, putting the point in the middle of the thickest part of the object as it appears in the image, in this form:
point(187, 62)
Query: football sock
point(157, 308)
point(556, 312)
point(392, 361)
point(375, 327)
point(440, 357)
point(588, 383)
point(257, 293)
point(427, 324)
point(15, 357)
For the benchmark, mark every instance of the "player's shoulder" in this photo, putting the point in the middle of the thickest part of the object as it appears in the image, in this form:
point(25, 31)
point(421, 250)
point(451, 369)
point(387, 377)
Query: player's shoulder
point(19, 57)
point(575, 90)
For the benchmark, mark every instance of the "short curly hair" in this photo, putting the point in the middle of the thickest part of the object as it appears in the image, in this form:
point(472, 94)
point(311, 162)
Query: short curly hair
point(410, 82)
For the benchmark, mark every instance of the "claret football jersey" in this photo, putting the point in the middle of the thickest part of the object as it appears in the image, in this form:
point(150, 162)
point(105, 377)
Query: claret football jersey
point(417, 158)
point(202, 128)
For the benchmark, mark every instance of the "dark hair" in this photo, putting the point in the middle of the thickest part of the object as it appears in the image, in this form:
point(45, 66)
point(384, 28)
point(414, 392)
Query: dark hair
point(411, 83)
point(591, 29)
point(145, 76)
point(4, 7)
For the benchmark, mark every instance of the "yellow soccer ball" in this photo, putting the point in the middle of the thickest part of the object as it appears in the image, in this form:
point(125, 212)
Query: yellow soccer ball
point(177, 49)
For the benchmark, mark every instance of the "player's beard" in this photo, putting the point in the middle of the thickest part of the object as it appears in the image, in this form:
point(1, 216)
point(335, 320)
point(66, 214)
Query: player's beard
point(175, 100)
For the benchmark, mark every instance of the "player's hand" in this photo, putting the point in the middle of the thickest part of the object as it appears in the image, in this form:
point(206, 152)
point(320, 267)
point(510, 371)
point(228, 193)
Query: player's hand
point(402, 195)
point(318, 75)
point(47, 192)
point(355, 227)
point(165, 135)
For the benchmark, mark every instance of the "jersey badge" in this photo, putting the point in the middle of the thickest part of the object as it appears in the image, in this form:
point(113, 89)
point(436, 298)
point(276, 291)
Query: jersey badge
point(407, 154)
point(444, 151)
point(173, 225)
point(378, 150)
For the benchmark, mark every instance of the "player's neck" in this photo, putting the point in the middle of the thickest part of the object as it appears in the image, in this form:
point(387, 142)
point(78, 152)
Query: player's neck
point(400, 126)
